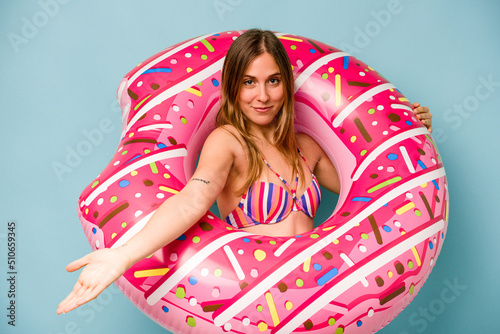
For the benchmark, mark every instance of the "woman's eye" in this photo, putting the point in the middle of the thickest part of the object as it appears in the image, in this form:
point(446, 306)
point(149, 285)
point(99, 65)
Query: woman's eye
point(248, 82)
point(274, 81)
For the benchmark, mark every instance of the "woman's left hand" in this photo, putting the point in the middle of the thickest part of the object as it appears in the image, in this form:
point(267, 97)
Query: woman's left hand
point(423, 114)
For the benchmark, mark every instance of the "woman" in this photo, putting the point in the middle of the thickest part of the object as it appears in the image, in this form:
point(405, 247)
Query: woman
point(263, 161)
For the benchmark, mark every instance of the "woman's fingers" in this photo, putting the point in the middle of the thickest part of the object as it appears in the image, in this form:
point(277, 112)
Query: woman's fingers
point(101, 268)
point(423, 114)
point(77, 264)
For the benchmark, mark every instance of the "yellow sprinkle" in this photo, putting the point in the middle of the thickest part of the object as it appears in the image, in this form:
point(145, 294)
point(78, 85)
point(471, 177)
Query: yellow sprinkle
point(288, 305)
point(131, 134)
point(151, 272)
point(353, 139)
point(168, 190)
point(417, 257)
point(328, 228)
point(113, 235)
point(290, 39)
point(390, 274)
point(330, 69)
point(194, 91)
point(336, 241)
point(403, 99)
point(134, 173)
point(423, 185)
point(259, 254)
point(167, 176)
point(272, 309)
point(189, 69)
point(262, 326)
point(338, 97)
point(405, 208)
point(307, 265)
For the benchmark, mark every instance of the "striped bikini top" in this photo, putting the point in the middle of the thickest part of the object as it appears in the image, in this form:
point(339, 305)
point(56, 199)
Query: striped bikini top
point(269, 203)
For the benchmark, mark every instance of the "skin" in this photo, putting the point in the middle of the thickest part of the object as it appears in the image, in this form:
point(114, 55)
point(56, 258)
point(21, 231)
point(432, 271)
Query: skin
point(219, 175)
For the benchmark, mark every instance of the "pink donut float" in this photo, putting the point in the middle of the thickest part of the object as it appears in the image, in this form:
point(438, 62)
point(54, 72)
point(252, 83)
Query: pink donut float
point(352, 274)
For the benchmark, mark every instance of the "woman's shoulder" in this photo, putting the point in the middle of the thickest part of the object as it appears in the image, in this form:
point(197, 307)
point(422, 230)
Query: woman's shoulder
point(309, 148)
point(306, 142)
point(225, 136)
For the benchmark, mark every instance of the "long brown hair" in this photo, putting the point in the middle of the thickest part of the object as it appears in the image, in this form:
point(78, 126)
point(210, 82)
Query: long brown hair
point(242, 52)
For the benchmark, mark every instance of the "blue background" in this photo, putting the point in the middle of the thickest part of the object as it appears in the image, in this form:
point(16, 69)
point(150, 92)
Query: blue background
point(60, 65)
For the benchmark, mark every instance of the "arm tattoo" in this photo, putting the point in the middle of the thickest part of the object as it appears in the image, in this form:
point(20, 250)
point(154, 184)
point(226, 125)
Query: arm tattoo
point(201, 180)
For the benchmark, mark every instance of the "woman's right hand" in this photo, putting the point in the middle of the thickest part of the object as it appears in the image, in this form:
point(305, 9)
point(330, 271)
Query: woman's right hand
point(102, 268)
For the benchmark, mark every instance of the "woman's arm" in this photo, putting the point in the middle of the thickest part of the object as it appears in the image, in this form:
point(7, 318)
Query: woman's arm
point(171, 219)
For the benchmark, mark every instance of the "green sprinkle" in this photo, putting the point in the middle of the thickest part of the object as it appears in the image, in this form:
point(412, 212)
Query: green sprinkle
point(180, 292)
point(140, 103)
point(208, 45)
point(191, 321)
point(384, 184)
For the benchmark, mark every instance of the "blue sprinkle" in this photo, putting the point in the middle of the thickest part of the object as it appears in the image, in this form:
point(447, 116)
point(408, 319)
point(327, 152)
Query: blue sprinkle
point(246, 240)
point(216, 34)
point(123, 183)
point(392, 156)
point(435, 184)
point(421, 164)
point(182, 237)
point(442, 235)
point(386, 204)
point(361, 199)
point(298, 236)
point(165, 309)
point(387, 228)
point(317, 266)
point(136, 157)
point(359, 323)
point(409, 123)
point(346, 62)
point(161, 145)
point(193, 280)
point(94, 230)
point(156, 70)
point(328, 276)
point(431, 245)
point(215, 82)
point(312, 50)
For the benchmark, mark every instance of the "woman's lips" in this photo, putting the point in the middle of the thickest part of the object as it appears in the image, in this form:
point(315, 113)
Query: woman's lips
point(262, 109)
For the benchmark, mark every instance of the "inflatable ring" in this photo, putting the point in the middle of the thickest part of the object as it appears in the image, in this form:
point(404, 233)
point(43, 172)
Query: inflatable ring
point(352, 274)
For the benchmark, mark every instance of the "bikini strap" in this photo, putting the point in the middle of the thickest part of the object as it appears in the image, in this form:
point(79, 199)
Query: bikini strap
point(293, 190)
point(305, 161)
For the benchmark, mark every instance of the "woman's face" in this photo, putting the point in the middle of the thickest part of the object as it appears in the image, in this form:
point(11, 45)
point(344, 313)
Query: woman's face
point(261, 93)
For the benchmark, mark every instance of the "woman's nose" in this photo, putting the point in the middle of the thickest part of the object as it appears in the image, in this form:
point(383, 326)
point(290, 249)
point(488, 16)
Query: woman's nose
point(263, 94)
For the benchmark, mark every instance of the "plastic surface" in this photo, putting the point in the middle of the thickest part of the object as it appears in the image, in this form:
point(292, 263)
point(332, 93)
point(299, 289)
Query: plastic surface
point(352, 274)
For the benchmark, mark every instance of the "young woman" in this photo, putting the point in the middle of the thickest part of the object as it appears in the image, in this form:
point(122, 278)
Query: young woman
point(262, 161)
